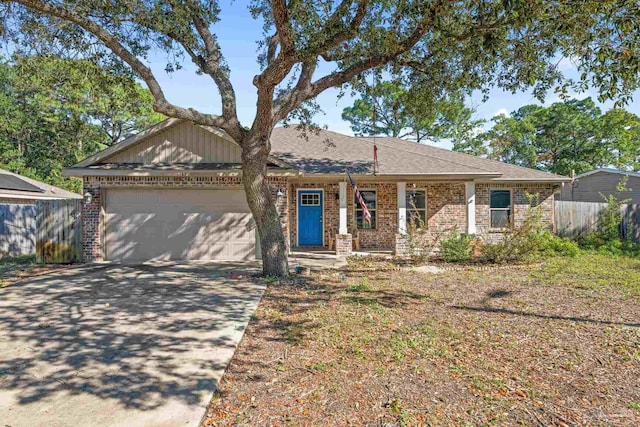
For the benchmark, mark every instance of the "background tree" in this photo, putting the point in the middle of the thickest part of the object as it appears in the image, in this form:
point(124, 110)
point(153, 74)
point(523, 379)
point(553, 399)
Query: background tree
point(564, 137)
point(58, 111)
point(308, 48)
point(409, 114)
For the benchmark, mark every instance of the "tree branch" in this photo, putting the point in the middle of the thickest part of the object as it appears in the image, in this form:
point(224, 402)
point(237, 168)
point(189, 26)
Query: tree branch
point(283, 26)
point(272, 48)
point(161, 104)
point(211, 62)
point(290, 100)
point(349, 32)
point(218, 71)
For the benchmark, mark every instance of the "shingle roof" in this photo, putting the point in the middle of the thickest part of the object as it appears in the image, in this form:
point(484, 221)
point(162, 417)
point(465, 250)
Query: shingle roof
point(13, 185)
point(328, 152)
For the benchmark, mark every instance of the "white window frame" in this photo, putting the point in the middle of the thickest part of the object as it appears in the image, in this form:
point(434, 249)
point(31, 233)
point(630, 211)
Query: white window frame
point(509, 209)
point(356, 207)
point(426, 204)
point(315, 195)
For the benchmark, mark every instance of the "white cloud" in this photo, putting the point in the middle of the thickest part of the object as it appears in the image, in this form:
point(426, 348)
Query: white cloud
point(502, 112)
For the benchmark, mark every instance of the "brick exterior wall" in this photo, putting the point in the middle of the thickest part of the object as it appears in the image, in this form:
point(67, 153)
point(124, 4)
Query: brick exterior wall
point(520, 205)
point(383, 237)
point(344, 244)
point(446, 209)
point(446, 206)
point(331, 214)
point(93, 213)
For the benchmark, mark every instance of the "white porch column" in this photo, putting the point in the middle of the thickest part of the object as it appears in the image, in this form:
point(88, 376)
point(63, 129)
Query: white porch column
point(470, 197)
point(343, 209)
point(402, 207)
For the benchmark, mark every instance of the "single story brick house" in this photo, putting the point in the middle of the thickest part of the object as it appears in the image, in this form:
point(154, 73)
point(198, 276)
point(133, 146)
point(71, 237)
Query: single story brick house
point(174, 191)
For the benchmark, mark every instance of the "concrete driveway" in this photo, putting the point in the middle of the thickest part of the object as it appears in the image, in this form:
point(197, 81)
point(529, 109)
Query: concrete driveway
point(117, 345)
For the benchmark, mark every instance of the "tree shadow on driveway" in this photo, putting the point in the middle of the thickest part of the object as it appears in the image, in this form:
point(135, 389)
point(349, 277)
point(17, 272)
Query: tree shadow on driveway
point(133, 335)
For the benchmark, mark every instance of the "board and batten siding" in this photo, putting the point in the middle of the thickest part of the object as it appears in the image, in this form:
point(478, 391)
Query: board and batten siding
point(183, 143)
point(588, 188)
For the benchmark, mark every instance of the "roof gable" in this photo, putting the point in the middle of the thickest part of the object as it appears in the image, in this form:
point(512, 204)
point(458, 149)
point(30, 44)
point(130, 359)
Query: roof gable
point(172, 141)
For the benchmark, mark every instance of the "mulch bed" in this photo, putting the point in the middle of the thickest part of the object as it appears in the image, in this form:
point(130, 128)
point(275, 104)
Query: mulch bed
point(467, 347)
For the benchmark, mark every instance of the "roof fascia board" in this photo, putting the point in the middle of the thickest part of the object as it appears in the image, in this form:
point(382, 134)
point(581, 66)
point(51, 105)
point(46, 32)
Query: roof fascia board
point(608, 170)
point(524, 181)
point(413, 176)
point(82, 172)
point(34, 196)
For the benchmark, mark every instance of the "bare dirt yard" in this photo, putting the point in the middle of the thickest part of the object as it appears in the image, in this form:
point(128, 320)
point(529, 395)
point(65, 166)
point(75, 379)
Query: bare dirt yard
point(555, 344)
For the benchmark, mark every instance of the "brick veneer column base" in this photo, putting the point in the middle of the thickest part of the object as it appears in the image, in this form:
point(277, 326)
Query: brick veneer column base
point(402, 245)
point(344, 244)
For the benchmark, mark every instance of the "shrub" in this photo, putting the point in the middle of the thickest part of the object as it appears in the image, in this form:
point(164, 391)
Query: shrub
point(519, 243)
point(610, 220)
point(456, 247)
point(420, 241)
point(606, 238)
point(591, 240)
point(558, 246)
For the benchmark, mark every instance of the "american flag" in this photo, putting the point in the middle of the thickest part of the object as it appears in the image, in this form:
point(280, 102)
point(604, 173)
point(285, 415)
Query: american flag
point(363, 205)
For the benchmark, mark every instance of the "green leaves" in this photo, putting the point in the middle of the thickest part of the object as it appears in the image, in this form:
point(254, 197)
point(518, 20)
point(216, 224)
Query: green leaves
point(58, 111)
point(567, 136)
point(419, 114)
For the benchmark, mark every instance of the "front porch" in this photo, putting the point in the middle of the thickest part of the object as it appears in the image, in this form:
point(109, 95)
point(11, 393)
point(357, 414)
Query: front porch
point(324, 216)
point(322, 259)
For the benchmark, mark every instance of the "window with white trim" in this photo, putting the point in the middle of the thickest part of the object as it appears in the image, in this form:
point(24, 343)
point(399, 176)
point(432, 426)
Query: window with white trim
point(416, 203)
point(371, 200)
point(500, 207)
point(310, 199)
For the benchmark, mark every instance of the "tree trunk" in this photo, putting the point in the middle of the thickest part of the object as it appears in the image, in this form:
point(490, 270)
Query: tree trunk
point(255, 151)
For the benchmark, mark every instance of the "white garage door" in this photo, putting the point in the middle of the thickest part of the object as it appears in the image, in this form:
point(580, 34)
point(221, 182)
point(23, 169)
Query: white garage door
point(171, 224)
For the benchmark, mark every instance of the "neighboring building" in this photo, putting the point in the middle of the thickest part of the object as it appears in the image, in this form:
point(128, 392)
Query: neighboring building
point(18, 197)
point(589, 186)
point(175, 191)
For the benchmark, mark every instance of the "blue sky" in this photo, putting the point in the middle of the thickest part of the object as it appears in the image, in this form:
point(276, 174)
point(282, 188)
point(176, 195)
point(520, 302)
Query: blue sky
point(237, 33)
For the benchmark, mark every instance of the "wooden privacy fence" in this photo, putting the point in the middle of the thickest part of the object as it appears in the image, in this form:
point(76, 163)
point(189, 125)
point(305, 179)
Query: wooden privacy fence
point(17, 229)
point(59, 231)
point(573, 219)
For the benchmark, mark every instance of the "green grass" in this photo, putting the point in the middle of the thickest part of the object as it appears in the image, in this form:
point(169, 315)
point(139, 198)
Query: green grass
point(593, 271)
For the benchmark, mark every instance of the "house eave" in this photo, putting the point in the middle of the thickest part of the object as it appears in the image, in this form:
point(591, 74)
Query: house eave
point(82, 172)
point(34, 196)
point(549, 180)
point(404, 176)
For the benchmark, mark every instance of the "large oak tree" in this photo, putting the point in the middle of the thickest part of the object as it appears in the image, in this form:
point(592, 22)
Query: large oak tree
point(464, 44)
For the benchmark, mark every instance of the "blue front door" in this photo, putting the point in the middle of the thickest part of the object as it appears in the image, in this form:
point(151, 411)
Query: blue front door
point(310, 218)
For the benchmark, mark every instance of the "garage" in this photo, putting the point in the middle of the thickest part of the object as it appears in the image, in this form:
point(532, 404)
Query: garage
point(178, 224)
